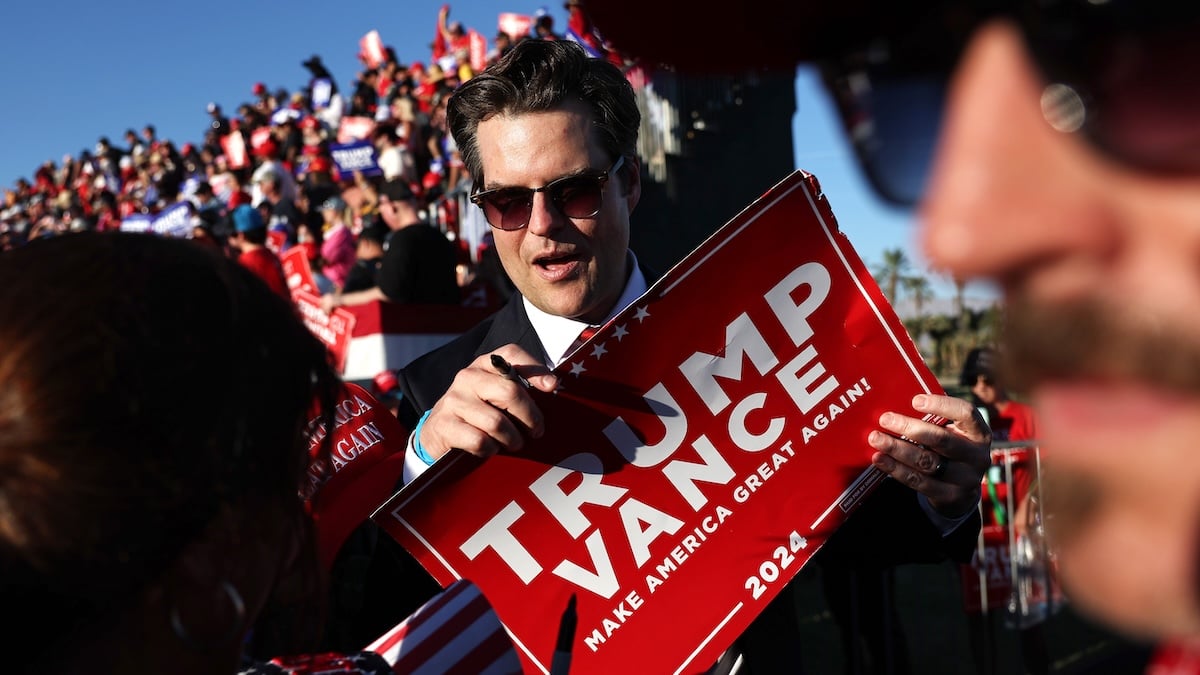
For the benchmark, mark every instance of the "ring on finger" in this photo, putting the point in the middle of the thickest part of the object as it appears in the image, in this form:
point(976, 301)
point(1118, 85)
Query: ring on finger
point(940, 469)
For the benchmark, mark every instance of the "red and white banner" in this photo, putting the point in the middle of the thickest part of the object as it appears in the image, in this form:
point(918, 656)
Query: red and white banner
point(478, 50)
point(234, 146)
point(388, 335)
point(990, 567)
point(333, 329)
point(516, 25)
point(259, 138)
point(703, 446)
point(355, 128)
point(370, 49)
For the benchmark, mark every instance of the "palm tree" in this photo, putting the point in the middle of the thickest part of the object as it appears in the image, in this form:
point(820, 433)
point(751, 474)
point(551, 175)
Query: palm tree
point(960, 291)
point(888, 274)
point(919, 290)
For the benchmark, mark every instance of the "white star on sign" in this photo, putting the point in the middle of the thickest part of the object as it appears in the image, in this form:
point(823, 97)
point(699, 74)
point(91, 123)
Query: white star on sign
point(620, 332)
point(577, 368)
point(598, 350)
point(641, 314)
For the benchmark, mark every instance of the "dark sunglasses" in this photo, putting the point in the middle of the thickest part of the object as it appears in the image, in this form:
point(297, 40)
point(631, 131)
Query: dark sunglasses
point(577, 196)
point(1125, 74)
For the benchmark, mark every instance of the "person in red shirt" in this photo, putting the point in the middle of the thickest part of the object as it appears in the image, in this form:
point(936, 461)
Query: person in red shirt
point(1010, 420)
point(1013, 424)
point(250, 238)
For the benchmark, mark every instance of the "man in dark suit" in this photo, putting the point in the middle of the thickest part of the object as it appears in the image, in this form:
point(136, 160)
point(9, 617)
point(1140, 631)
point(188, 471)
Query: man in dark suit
point(549, 138)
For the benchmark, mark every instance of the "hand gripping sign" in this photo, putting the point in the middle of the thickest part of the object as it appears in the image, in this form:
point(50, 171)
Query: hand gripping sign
point(702, 447)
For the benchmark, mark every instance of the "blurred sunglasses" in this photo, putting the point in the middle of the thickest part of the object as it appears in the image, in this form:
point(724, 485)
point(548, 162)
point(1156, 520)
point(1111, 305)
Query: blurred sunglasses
point(577, 196)
point(1124, 74)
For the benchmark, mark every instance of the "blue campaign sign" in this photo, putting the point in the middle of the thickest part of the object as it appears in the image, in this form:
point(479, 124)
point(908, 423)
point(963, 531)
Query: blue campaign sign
point(355, 156)
point(322, 92)
point(188, 188)
point(136, 222)
point(174, 221)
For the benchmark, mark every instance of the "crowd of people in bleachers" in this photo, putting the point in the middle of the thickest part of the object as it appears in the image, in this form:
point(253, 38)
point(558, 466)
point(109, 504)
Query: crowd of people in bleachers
point(277, 153)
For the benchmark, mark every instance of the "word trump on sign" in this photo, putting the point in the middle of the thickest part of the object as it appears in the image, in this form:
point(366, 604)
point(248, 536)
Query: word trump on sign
point(804, 379)
point(689, 467)
point(355, 156)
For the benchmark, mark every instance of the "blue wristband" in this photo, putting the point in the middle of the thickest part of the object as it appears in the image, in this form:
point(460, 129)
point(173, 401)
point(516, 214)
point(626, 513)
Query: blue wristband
point(424, 456)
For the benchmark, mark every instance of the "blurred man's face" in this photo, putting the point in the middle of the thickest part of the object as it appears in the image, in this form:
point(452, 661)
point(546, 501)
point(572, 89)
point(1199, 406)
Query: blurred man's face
point(1100, 267)
point(387, 211)
point(571, 267)
point(366, 249)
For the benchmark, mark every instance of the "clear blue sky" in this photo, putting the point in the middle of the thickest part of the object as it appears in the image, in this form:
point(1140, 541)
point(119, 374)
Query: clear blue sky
point(80, 70)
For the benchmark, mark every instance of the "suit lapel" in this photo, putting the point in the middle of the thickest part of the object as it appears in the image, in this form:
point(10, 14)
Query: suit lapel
point(511, 325)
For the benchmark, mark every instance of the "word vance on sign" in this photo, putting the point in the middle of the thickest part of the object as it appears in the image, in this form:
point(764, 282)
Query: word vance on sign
point(703, 445)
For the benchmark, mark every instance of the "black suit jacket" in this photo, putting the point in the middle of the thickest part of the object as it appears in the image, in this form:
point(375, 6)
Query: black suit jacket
point(888, 529)
point(428, 377)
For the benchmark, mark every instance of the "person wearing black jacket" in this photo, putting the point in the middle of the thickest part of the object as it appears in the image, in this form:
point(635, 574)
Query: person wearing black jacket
point(549, 137)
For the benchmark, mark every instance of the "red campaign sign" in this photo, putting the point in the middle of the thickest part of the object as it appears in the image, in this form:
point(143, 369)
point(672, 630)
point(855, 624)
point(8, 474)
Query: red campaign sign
point(259, 138)
point(333, 329)
point(276, 239)
point(297, 270)
point(516, 25)
point(234, 146)
point(478, 50)
point(702, 447)
point(353, 128)
point(370, 49)
point(991, 566)
point(365, 462)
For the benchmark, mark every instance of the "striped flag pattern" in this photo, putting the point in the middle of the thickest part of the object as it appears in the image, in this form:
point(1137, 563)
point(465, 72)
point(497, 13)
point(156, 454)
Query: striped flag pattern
point(455, 632)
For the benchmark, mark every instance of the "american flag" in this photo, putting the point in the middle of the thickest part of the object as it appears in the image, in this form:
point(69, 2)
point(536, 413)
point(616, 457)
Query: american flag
point(455, 632)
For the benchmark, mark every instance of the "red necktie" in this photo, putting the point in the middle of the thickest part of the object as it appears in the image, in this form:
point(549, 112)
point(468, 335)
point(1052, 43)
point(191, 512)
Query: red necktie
point(584, 336)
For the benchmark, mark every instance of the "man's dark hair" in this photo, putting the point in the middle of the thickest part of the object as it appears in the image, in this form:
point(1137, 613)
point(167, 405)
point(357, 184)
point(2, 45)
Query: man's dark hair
point(256, 236)
point(396, 190)
point(540, 75)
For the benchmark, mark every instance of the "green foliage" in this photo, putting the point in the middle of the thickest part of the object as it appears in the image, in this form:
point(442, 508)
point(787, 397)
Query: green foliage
point(945, 338)
point(891, 271)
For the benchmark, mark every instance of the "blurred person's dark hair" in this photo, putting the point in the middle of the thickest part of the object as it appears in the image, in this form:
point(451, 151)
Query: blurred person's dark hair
point(317, 68)
point(979, 362)
point(147, 453)
point(375, 231)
